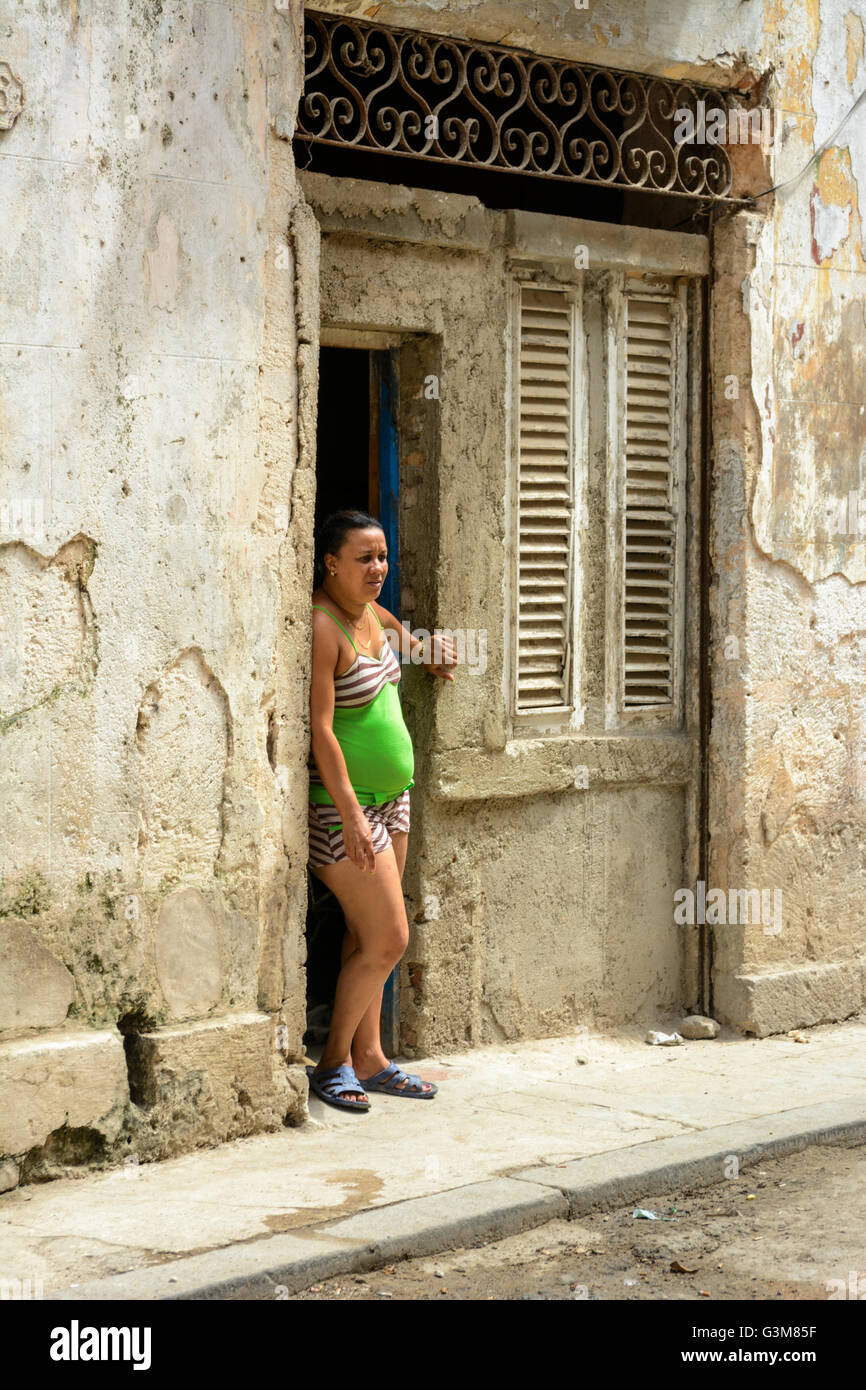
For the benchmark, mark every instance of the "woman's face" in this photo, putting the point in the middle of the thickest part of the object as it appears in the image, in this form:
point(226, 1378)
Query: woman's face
point(361, 563)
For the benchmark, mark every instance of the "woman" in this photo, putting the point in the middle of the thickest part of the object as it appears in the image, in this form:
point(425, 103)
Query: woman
point(361, 769)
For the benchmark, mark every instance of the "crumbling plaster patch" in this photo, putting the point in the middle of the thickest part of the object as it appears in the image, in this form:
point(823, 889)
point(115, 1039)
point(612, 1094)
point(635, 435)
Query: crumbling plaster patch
point(61, 1081)
point(838, 77)
point(188, 954)
point(184, 742)
point(808, 353)
point(36, 989)
point(830, 227)
point(47, 630)
point(161, 265)
point(203, 1083)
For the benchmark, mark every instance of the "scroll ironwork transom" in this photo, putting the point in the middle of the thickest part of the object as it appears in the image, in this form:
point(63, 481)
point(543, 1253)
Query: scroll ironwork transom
point(403, 92)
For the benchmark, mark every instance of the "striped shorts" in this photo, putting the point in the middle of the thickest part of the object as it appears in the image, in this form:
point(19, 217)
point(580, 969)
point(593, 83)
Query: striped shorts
point(326, 839)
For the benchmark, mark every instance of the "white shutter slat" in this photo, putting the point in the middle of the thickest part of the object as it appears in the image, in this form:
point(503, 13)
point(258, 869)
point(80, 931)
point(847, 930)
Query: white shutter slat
point(649, 516)
point(544, 495)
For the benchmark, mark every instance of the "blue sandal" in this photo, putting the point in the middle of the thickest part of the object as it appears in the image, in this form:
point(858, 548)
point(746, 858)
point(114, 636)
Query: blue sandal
point(388, 1082)
point(334, 1082)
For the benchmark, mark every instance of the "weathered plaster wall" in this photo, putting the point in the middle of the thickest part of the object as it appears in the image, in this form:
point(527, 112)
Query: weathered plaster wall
point(154, 554)
point(157, 433)
point(703, 40)
point(789, 729)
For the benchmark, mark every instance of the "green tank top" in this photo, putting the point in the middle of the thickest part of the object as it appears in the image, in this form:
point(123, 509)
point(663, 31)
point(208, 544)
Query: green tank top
point(369, 726)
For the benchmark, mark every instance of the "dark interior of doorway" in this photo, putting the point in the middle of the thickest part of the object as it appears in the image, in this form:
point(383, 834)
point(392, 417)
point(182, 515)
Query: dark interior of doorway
point(497, 189)
point(348, 448)
point(343, 433)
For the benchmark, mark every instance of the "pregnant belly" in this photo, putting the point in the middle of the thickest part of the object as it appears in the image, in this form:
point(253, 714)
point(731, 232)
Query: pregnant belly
point(376, 745)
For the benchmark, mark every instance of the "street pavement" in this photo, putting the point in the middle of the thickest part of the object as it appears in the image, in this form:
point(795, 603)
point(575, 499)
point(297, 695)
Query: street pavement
point(519, 1134)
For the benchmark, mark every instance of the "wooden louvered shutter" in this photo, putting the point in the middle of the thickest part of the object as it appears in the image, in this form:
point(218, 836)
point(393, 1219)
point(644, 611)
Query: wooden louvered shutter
point(651, 539)
point(545, 446)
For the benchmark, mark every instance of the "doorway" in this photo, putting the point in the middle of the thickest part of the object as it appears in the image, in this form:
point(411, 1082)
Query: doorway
point(357, 467)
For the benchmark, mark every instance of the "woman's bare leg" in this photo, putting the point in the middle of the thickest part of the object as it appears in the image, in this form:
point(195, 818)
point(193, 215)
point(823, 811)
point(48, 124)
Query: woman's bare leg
point(374, 905)
point(367, 1055)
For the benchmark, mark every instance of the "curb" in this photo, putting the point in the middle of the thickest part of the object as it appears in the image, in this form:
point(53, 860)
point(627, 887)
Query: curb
point(275, 1266)
point(698, 1159)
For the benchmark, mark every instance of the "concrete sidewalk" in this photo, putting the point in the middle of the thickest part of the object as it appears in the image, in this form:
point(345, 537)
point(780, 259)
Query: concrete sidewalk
point(518, 1134)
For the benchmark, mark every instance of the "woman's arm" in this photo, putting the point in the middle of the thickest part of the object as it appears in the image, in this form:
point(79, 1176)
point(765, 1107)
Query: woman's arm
point(328, 755)
point(406, 644)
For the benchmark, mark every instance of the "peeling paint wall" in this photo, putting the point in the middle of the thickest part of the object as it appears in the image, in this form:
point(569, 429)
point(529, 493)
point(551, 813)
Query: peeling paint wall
point(789, 598)
point(154, 557)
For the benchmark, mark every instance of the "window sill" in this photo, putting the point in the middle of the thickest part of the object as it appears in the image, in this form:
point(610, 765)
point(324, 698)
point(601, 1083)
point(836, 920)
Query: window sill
point(533, 766)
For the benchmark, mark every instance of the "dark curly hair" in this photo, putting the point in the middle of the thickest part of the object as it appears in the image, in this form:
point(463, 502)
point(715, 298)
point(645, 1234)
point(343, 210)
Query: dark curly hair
point(332, 534)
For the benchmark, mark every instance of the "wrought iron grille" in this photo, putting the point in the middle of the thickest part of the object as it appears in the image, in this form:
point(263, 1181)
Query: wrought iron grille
point(418, 95)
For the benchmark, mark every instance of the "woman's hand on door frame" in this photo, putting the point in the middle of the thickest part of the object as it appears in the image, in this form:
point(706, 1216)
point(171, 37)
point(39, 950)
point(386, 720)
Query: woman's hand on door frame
point(445, 652)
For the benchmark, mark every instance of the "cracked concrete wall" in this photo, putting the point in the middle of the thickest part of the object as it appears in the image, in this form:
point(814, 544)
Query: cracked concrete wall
point(153, 552)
